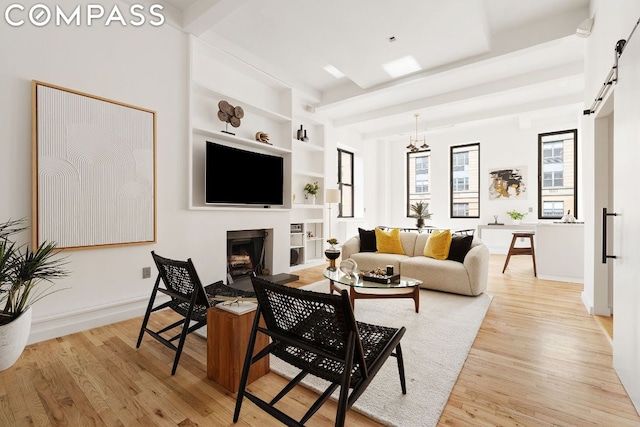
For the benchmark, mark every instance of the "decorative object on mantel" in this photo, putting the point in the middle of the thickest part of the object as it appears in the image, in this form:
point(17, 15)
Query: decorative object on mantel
point(311, 190)
point(420, 212)
point(229, 114)
point(413, 142)
point(263, 137)
point(21, 271)
point(516, 216)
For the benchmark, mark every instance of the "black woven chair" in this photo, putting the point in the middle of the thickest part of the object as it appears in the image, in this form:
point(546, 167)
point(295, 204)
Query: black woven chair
point(318, 334)
point(188, 298)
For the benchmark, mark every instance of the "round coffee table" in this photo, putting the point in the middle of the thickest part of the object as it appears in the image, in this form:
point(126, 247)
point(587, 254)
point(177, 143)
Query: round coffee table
point(406, 287)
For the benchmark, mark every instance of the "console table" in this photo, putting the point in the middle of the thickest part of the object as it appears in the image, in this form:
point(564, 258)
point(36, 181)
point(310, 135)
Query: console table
point(227, 341)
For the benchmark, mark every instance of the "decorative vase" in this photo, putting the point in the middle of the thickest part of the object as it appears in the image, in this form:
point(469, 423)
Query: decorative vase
point(332, 255)
point(420, 222)
point(305, 137)
point(517, 221)
point(13, 339)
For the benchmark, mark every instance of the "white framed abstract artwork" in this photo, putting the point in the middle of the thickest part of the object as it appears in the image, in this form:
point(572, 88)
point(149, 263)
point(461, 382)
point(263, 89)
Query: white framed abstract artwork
point(94, 177)
point(508, 183)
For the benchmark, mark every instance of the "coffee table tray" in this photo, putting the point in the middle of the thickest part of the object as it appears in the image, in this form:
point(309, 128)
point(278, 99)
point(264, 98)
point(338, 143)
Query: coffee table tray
point(380, 278)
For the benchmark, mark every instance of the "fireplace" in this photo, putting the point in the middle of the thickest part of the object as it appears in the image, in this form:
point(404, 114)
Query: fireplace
point(245, 253)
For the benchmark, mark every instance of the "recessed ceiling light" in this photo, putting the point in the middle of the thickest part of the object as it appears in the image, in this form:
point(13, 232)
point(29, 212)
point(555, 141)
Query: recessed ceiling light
point(333, 71)
point(401, 66)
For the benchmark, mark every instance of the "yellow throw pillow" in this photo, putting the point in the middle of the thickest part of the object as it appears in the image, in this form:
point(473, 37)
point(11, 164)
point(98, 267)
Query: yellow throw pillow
point(389, 243)
point(438, 245)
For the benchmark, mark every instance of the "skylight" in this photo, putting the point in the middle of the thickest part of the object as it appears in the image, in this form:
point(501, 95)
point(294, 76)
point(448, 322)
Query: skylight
point(402, 66)
point(333, 71)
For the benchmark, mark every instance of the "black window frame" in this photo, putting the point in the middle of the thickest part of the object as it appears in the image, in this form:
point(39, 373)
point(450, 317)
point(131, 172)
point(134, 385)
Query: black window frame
point(427, 199)
point(451, 179)
point(342, 183)
point(574, 208)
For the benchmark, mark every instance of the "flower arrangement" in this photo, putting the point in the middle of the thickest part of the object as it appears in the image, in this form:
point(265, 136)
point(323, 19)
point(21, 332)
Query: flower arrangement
point(333, 242)
point(312, 189)
point(515, 215)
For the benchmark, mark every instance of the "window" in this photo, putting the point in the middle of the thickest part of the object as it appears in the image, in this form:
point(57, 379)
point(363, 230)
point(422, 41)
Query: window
point(418, 178)
point(345, 183)
point(461, 184)
point(461, 209)
point(465, 181)
point(553, 209)
point(557, 174)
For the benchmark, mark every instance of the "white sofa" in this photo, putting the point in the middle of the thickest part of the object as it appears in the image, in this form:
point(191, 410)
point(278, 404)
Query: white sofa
point(466, 278)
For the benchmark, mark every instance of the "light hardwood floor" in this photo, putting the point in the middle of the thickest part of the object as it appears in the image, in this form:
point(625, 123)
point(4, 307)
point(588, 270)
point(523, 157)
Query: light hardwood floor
point(539, 360)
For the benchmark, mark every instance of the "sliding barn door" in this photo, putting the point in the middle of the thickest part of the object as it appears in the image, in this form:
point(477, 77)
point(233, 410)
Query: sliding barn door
point(626, 224)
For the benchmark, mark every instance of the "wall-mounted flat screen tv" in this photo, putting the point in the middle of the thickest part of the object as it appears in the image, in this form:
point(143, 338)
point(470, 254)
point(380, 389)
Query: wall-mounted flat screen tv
point(241, 177)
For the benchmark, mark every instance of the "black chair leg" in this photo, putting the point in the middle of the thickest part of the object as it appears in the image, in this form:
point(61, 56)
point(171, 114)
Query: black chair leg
point(403, 383)
point(246, 365)
point(149, 310)
point(343, 401)
point(183, 337)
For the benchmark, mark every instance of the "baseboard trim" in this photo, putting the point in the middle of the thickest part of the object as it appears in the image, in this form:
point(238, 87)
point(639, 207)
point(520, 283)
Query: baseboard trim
point(55, 326)
point(561, 278)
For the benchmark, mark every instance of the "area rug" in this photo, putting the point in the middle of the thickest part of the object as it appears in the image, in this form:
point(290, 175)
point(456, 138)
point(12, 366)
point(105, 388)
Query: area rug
point(435, 347)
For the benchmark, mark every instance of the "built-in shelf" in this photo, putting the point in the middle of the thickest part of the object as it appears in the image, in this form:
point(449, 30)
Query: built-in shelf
point(247, 208)
point(270, 106)
point(305, 145)
point(202, 89)
point(240, 140)
point(309, 173)
point(306, 206)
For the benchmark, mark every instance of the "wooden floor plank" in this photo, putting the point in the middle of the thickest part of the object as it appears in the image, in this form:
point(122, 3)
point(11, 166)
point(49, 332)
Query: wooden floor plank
point(539, 360)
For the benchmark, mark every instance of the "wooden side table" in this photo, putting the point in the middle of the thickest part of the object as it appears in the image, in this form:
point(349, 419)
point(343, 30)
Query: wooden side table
point(227, 341)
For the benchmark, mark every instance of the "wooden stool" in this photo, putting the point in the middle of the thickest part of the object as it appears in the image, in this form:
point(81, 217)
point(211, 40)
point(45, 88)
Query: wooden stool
point(522, 251)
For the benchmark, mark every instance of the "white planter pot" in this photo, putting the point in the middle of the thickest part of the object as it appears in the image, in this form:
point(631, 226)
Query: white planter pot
point(13, 339)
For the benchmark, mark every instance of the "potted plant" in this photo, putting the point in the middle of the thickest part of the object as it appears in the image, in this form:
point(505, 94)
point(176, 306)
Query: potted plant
point(516, 216)
point(21, 271)
point(420, 212)
point(333, 242)
point(311, 189)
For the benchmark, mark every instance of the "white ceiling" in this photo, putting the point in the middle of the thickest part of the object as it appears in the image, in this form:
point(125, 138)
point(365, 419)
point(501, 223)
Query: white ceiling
point(480, 59)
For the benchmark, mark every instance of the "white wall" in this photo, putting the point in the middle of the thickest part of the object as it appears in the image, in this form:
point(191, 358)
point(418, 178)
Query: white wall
point(146, 67)
point(503, 143)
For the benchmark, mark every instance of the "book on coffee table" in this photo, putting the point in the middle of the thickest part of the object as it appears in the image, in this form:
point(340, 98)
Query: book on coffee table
point(379, 278)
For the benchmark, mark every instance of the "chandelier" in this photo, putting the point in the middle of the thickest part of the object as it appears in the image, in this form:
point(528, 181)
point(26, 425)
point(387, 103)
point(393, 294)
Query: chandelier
point(413, 142)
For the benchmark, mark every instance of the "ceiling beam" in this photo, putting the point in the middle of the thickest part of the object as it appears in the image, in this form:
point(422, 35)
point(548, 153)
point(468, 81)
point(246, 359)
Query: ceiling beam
point(204, 14)
point(571, 70)
point(573, 101)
